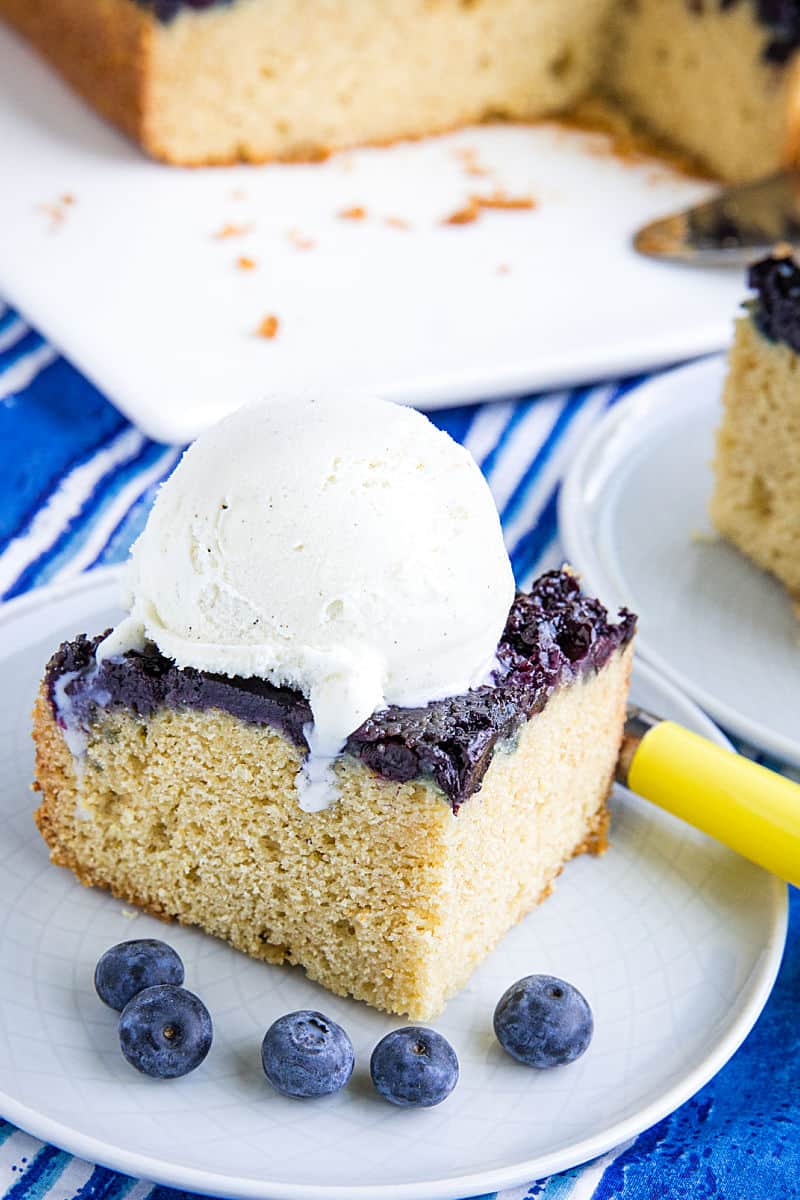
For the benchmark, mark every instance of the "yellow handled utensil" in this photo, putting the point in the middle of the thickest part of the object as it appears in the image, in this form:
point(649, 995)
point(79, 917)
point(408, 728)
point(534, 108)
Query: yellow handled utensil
point(747, 807)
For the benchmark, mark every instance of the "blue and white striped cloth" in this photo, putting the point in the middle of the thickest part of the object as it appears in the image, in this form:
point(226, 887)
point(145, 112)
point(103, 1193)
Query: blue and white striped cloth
point(76, 483)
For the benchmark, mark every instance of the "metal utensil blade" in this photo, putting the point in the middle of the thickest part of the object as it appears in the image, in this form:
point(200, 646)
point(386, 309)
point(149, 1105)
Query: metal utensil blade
point(733, 228)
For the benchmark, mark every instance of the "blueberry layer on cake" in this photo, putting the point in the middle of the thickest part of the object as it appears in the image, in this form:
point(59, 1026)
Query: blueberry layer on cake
point(756, 498)
point(214, 81)
point(400, 754)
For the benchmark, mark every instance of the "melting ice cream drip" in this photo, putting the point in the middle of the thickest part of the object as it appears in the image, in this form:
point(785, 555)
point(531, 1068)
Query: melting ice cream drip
point(72, 721)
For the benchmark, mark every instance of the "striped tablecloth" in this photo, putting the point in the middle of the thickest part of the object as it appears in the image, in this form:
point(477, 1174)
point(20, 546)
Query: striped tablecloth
point(76, 483)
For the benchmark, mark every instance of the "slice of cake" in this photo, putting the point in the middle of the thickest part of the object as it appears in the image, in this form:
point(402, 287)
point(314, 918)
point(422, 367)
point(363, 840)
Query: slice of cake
point(756, 498)
point(401, 754)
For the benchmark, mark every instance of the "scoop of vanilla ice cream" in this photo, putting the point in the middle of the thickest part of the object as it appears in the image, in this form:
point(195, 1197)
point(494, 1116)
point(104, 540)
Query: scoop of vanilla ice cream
point(344, 547)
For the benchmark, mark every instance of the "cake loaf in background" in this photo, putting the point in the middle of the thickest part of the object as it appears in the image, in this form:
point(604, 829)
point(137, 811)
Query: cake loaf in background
point(220, 81)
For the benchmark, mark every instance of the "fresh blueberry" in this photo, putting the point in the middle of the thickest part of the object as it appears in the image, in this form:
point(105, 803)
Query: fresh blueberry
point(305, 1054)
point(165, 1031)
point(543, 1021)
point(130, 967)
point(414, 1067)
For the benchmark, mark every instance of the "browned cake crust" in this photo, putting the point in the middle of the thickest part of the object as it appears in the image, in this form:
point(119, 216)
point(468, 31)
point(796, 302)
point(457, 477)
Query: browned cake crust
point(101, 47)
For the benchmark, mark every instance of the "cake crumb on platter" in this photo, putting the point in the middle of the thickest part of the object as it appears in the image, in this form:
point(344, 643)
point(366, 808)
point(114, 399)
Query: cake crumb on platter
point(57, 210)
point(501, 200)
point(355, 213)
point(246, 264)
point(471, 163)
point(463, 216)
point(231, 231)
point(497, 200)
point(268, 327)
point(300, 241)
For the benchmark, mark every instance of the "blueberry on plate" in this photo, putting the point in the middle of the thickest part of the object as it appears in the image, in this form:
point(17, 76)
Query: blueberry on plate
point(414, 1067)
point(165, 1031)
point(543, 1021)
point(304, 1054)
point(130, 967)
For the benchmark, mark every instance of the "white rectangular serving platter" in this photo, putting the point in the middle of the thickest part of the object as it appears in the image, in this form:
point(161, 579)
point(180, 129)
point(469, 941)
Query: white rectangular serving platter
point(115, 259)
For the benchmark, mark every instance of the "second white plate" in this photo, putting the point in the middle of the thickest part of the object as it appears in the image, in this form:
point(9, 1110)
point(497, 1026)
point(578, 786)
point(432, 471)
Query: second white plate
point(634, 522)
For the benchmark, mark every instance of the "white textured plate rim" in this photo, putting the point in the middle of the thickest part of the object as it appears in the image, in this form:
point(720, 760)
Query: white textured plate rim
point(576, 535)
point(452, 1187)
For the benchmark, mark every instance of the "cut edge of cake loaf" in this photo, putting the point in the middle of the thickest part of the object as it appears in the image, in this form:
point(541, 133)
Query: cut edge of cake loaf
point(698, 77)
point(297, 79)
point(755, 503)
point(387, 895)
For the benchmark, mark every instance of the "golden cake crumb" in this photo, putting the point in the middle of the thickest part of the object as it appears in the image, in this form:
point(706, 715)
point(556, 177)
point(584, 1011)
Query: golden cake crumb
point(268, 328)
point(471, 163)
point(356, 213)
point(246, 264)
point(464, 216)
point(232, 231)
point(300, 241)
point(498, 200)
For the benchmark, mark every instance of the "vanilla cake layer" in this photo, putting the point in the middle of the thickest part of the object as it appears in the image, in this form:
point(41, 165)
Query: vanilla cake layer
point(704, 77)
point(389, 895)
point(756, 498)
point(253, 80)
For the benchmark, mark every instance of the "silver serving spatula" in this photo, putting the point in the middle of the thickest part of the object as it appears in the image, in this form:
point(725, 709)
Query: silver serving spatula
point(732, 229)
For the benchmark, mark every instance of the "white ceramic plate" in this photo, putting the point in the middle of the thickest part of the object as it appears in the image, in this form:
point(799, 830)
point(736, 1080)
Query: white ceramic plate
point(674, 939)
point(634, 521)
point(134, 288)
